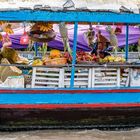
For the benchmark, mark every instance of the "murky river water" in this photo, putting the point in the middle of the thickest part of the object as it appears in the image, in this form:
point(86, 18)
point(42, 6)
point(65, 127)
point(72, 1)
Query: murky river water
point(72, 135)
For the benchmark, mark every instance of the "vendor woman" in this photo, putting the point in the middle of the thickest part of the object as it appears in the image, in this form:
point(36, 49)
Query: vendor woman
point(97, 43)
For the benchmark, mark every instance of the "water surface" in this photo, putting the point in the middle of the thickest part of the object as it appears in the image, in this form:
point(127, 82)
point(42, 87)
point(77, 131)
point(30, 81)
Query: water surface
point(72, 135)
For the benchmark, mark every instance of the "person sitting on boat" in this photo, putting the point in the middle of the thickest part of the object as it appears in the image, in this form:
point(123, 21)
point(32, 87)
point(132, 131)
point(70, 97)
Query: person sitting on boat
point(98, 43)
point(92, 41)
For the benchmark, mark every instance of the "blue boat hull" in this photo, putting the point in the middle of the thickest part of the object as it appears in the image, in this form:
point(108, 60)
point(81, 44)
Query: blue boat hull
point(60, 109)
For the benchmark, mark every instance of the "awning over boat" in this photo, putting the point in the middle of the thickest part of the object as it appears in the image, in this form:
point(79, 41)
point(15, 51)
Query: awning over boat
point(82, 42)
point(90, 5)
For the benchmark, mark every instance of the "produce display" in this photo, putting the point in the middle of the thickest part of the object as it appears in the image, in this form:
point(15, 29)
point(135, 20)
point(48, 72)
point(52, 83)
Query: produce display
point(55, 54)
point(112, 59)
point(86, 57)
point(39, 35)
point(54, 58)
point(57, 58)
point(37, 62)
point(43, 32)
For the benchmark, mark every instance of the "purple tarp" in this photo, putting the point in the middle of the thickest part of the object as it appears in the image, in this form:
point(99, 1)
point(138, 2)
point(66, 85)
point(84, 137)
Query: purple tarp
point(134, 35)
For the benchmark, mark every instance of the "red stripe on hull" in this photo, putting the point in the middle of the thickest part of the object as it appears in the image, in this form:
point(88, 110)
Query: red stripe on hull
point(66, 106)
point(2, 91)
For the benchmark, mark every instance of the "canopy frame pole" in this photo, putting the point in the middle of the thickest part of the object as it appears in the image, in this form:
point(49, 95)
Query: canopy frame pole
point(74, 55)
point(127, 44)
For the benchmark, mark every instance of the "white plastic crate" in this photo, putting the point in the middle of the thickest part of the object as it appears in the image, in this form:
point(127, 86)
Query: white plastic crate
point(82, 77)
point(47, 77)
point(105, 77)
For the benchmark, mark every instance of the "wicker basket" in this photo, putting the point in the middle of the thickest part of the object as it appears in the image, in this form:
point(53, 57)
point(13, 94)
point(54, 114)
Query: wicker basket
point(58, 61)
point(35, 36)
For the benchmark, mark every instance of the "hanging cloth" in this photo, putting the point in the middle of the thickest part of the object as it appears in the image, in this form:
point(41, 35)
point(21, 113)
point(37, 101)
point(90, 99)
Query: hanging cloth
point(64, 34)
point(113, 39)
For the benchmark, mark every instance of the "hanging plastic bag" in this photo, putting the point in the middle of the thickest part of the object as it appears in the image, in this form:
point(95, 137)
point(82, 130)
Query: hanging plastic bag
point(24, 40)
point(118, 29)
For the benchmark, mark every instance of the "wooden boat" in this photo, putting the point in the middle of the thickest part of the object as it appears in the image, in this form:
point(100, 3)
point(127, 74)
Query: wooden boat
point(69, 108)
point(99, 108)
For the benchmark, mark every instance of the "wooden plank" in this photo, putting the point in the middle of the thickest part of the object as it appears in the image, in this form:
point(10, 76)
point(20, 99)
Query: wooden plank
point(77, 74)
point(77, 79)
point(39, 86)
point(125, 74)
point(126, 70)
point(105, 82)
point(33, 77)
point(47, 69)
point(90, 78)
point(123, 83)
point(47, 79)
point(106, 78)
point(28, 86)
point(46, 83)
point(118, 77)
point(77, 83)
point(100, 86)
point(47, 74)
point(111, 73)
point(93, 77)
point(128, 78)
point(103, 70)
point(61, 78)
point(124, 79)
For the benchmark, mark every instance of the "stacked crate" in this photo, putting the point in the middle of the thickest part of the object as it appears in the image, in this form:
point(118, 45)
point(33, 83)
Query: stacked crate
point(84, 77)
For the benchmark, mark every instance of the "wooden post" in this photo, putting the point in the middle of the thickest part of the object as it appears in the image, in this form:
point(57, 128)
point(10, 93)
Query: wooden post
point(93, 77)
point(118, 77)
point(33, 77)
point(61, 78)
point(90, 78)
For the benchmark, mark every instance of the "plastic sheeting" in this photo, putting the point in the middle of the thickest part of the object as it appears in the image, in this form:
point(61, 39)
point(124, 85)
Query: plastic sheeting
point(134, 35)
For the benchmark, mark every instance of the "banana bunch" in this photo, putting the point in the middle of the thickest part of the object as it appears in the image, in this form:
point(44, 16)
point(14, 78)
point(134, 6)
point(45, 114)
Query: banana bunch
point(2, 22)
point(45, 26)
point(8, 29)
point(1, 37)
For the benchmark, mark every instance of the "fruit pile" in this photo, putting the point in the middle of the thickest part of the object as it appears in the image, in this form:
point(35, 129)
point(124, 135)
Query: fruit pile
point(54, 58)
point(37, 62)
point(115, 59)
point(84, 57)
point(57, 58)
point(81, 56)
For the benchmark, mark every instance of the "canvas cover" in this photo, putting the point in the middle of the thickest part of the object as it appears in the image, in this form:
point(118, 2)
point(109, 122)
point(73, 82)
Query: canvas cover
point(82, 42)
point(92, 5)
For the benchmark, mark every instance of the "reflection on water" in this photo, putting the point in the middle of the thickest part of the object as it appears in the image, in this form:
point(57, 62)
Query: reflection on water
point(72, 135)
